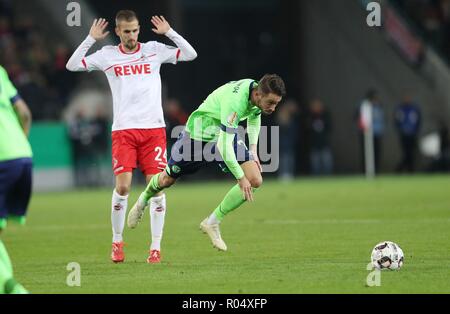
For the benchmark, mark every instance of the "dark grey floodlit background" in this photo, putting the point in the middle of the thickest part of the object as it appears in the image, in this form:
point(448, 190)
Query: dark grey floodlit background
point(322, 48)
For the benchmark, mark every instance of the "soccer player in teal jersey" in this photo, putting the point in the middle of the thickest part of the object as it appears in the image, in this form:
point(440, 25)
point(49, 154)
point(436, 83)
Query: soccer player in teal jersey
point(15, 170)
point(216, 122)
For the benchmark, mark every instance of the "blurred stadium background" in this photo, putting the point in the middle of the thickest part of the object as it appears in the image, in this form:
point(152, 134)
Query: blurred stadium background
point(323, 49)
point(304, 236)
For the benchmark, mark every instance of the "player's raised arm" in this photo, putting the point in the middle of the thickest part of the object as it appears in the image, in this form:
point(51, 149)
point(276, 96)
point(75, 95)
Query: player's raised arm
point(162, 27)
point(77, 62)
point(98, 29)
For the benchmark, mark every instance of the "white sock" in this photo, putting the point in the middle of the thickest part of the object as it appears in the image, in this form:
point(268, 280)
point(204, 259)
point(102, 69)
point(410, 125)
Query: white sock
point(118, 211)
point(157, 215)
point(212, 220)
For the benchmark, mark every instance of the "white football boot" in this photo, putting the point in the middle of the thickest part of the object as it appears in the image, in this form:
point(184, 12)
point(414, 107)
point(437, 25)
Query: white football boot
point(213, 232)
point(136, 213)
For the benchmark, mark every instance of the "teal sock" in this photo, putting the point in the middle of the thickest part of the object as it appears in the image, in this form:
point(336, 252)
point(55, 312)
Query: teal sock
point(21, 220)
point(3, 223)
point(7, 282)
point(5, 276)
point(4, 258)
point(231, 201)
point(13, 287)
point(152, 188)
point(5, 270)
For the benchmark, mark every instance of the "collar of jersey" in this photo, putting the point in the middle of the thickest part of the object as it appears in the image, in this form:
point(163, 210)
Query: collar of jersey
point(130, 53)
point(253, 84)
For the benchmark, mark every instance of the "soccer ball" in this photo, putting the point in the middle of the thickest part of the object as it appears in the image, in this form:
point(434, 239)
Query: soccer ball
point(387, 255)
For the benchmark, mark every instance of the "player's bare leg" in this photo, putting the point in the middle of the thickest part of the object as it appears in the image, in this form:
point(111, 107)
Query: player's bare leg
point(234, 198)
point(157, 183)
point(118, 213)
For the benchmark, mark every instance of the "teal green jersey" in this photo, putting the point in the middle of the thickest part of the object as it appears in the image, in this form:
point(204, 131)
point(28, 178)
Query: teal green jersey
point(223, 109)
point(13, 142)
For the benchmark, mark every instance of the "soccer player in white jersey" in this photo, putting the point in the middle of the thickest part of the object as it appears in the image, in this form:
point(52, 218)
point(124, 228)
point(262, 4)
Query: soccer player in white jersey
point(138, 131)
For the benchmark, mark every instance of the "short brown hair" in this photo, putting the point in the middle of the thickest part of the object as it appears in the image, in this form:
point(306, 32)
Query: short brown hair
point(272, 83)
point(126, 15)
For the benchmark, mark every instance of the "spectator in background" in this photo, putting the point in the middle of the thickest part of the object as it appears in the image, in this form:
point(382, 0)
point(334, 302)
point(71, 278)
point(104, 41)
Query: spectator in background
point(319, 127)
point(174, 116)
point(407, 123)
point(88, 136)
point(101, 126)
point(80, 141)
point(6, 7)
point(445, 13)
point(88, 120)
point(444, 156)
point(5, 29)
point(60, 79)
point(36, 63)
point(442, 161)
point(432, 18)
point(286, 118)
point(100, 141)
point(377, 123)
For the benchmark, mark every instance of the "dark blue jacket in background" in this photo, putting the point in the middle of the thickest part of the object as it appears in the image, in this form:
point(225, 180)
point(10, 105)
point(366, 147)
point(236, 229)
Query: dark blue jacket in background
point(408, 119)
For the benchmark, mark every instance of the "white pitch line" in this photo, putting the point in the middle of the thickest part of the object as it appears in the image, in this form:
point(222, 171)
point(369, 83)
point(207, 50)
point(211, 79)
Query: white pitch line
point(65, 227)
point(322, 221)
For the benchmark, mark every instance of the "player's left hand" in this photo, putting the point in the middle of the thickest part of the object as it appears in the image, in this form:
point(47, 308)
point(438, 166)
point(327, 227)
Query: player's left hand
point(161, 25)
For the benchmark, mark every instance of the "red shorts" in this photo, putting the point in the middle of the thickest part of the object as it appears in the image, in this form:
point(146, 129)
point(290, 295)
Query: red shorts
point(143, 148)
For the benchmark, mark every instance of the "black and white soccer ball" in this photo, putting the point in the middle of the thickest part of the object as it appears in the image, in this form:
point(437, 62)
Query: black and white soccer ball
point(387, 255)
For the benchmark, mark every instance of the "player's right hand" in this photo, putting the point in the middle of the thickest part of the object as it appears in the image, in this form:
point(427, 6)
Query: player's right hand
point(246, 189)
point(98, 29)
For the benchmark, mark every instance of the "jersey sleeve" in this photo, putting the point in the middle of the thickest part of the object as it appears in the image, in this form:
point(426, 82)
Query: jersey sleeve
point(253, 128)
point(78, 62)
point(95, 61)
point(167, 54)
point(226, 150)
point(230, 104)
point(186, 51)
point(8, 87)
point(229, 110)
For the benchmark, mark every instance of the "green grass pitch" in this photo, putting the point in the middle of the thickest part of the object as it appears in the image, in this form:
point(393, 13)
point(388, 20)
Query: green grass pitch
point(306, 236)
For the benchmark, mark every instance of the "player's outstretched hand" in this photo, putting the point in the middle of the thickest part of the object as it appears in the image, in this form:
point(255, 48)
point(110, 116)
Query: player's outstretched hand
point(98, 29)
point(161, 25)
point(246, 189)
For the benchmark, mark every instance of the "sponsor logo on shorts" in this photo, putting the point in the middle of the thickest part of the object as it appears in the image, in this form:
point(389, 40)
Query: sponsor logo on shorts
point(118, 169)
point(176, 169)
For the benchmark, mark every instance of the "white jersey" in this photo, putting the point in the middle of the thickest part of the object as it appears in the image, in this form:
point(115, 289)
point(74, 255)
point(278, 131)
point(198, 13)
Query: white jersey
point(135, 82)
point(134, 78)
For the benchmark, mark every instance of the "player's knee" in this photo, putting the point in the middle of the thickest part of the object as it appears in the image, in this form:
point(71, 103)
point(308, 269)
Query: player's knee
point(122, 189)
point(256, 181)
point(166, 181)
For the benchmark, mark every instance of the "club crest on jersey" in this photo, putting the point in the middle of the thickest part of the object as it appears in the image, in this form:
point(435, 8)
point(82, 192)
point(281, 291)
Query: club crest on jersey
point(176, 169)
point(232, 118)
